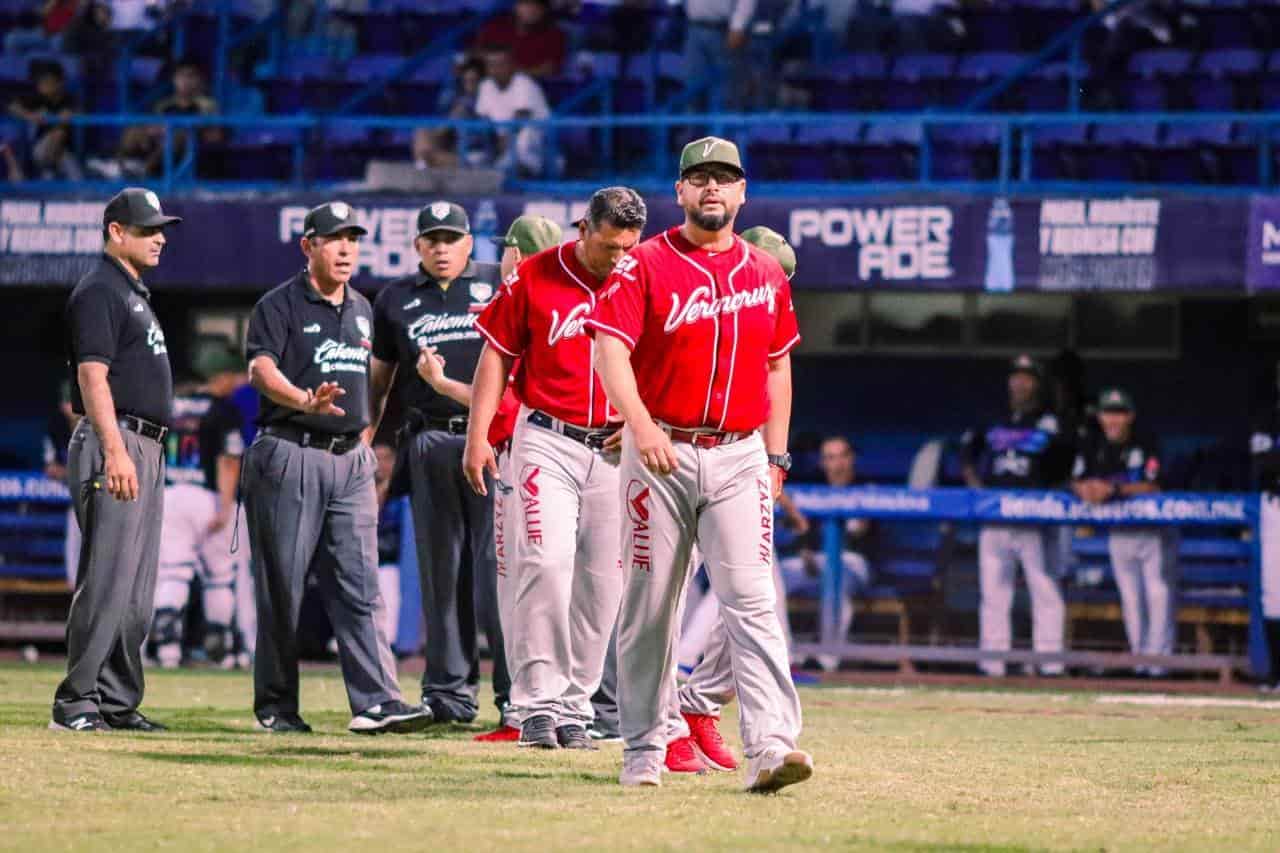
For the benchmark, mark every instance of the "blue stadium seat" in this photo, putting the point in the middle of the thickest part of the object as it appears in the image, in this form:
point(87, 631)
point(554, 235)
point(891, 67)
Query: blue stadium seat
point(1231, 62)
point(988, 65)
point(1166, 62)
point(915, 67)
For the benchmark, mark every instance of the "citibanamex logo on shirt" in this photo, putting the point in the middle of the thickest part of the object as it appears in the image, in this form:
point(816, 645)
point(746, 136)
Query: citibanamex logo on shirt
point(155, 339)
point(531, 504)
point(336, 357)
point(638, 495)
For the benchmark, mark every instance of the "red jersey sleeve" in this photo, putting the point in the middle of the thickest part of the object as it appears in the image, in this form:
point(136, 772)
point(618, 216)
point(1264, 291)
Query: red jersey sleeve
point(619, 311)
point(503, 425)
point(504, 322)
point(786, 332)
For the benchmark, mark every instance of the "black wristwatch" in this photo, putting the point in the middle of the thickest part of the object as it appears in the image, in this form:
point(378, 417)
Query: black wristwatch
point(782, 461)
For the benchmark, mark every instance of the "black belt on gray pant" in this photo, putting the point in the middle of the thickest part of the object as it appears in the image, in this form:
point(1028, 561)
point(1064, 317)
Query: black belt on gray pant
point(142, 427)
point(335, 443)
point(594, 439)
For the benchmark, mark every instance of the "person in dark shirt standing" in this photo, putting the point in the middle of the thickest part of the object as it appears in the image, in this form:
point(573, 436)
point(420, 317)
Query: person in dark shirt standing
point(309, 482)
point(121, 382)
point(45, 110)
point(1117, 463)
point(1025, 450)
point(428, 314)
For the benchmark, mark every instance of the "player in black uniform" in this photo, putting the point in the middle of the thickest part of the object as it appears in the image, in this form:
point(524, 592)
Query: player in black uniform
point(1116, 462)
point(1024, 450)
point(433, 312)
point(203, 452)
point(1264, 452)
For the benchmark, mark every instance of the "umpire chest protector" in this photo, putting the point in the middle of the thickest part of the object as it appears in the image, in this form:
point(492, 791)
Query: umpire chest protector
point(416, 312)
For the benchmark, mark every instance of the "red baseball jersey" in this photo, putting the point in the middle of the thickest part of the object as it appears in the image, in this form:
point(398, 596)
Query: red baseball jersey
point(702, 328)
point(538, 318)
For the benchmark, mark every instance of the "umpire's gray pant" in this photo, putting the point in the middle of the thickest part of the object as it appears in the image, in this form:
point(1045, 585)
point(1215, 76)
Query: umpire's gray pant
point(458, 573)
point(115, 578)
point(1145, 566)
point(1001, 549)
point(313, 511)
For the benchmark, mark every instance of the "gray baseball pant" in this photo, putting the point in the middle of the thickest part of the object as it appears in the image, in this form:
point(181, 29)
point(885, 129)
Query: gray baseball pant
point(453, 527)
point(115, 577)
point(1002, 548)
point(720, 500)
point(310, 510)
point(1145, 566)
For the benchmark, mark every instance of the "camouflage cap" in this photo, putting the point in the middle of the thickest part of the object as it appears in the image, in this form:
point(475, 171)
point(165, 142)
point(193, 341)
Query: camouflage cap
point(214, 354)
point(709, 150)
point(531, 234)
point(1115, 400)
point(770, 241)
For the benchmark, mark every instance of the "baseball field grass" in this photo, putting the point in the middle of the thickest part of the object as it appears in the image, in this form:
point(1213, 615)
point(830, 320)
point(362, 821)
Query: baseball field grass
point(897, 769)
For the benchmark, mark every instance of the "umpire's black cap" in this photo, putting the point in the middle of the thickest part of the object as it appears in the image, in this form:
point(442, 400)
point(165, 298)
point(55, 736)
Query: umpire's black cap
point(443, 216)
point(329, 219)
point(136, 206)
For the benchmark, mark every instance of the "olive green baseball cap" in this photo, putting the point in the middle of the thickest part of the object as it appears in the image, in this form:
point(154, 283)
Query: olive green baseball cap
point(213, 354)
point(1115, 400)
point(531, 234)
point(709, 150)
point(770, 241)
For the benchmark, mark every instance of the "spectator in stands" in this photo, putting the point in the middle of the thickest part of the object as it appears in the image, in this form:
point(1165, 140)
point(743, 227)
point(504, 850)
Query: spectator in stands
point(838, 461)
point(714, 42)
point(505, 95)
point(42, 28)
point(135, 15)
point(537, 45)
point(141, 150)
point(435, 148)
point(459, 101)
point(45, 109)
point(1118, 463)
point(12, 166)
point(91, 38)
point(1023, 450)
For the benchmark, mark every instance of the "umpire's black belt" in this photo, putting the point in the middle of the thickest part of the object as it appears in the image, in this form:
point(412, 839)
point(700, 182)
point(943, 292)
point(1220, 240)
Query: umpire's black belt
point(594, 439)
point(142, 427)
point(416, 422)
point(336, 443)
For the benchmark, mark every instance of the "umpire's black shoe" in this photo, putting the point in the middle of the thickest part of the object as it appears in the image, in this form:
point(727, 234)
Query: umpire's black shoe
point(394, 716)
point(90, 721)
point(443, 712)
point(133, 722)
point(284, 723)
point(574, 736)
point(539, 731)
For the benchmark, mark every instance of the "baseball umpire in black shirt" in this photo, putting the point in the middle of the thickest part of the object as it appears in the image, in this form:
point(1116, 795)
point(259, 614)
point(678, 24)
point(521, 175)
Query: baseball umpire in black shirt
point(433, 312)
point(121, 382)
point(308, 482)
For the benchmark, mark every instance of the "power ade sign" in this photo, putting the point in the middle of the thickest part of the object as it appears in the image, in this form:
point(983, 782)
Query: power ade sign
point(386, 252)
point(901, 243)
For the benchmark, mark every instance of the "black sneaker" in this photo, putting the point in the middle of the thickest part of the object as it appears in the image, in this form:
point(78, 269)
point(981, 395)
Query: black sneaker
point(539, 731)
point(284, 723)
point(603, 734)
point(89, 721)
point(441, 712)
point(133, 722)
point(394, 716)
point(574, 736)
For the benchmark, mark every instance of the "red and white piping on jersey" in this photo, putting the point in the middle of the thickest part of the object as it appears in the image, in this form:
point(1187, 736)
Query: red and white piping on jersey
point(493, 341)
point(591, 342)
point(786, 348)
point(715, 343)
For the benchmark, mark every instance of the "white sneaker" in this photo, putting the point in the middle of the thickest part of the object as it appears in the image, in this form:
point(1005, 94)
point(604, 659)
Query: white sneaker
point(773, 770)
point(641, 769)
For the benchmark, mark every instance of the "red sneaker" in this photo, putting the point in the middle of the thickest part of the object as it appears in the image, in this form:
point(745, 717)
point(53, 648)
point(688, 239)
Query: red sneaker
point(710, 745)
point(502, 734)
point(683, 758)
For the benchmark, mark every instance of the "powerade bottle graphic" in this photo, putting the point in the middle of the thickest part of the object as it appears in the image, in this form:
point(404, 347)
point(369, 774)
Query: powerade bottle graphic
point(999, 278)
point(485, 227)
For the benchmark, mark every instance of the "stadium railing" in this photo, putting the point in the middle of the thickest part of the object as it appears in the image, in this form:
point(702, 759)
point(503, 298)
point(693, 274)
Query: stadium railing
point(1237, 512)
point(305, 137)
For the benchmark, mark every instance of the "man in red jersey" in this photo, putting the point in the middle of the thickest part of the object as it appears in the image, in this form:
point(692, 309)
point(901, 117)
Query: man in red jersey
point(562, 525)
point(693, 331)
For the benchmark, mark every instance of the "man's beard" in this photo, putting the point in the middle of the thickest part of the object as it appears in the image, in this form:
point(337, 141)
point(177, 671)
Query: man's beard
point(711, 221)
